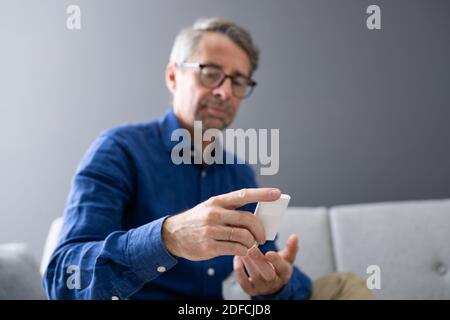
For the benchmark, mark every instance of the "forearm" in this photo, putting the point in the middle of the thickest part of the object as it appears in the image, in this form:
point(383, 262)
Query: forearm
point(116, 266)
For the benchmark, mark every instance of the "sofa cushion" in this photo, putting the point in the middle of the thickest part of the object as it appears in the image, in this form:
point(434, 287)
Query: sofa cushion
point(51, 242)
point(407, 240)
point(315, 255)
point(19, 274)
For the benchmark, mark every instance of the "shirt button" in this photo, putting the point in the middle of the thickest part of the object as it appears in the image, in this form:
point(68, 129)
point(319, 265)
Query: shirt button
point(211, 272)
point(114, 298)
point(161, 269)
point(203, 173)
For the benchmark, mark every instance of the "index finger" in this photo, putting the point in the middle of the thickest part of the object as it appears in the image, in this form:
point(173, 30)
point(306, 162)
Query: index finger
point(239, 198)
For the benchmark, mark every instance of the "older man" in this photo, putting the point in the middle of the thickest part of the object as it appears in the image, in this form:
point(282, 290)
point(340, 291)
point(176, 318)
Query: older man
point(138, 226)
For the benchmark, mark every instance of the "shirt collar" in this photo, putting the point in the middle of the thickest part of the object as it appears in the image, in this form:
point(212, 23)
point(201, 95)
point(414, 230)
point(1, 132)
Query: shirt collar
point(169, 122)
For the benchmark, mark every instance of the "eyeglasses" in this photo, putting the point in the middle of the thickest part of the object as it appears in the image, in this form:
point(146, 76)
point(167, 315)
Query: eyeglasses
point(213, 76)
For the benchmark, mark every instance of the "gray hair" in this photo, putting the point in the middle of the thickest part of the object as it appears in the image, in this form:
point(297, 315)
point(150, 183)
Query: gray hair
point(187, 40)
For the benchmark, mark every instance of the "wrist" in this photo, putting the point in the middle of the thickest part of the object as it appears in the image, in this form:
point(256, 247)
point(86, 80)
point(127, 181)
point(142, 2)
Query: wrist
point(168, 236)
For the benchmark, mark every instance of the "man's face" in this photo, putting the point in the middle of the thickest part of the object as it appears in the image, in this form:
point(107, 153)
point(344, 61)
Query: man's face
point(217, 107)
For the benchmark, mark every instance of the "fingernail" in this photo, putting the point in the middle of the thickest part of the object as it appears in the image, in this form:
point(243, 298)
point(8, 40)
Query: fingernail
point(274, 192)
point(254, 253)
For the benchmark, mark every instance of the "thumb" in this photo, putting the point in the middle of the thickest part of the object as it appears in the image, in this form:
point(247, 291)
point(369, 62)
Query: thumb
point(290, 251)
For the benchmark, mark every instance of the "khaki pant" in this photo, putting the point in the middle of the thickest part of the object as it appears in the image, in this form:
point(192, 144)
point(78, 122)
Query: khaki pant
point(340, 286)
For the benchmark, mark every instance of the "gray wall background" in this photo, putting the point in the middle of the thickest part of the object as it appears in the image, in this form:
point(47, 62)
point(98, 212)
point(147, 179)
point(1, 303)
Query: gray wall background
point(363, 115)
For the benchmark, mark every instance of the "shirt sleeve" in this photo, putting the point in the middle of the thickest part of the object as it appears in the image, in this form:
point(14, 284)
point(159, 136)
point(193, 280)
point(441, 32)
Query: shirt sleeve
point(95, 258)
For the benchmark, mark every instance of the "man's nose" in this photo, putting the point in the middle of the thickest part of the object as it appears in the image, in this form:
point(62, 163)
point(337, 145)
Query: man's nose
point(224, 91)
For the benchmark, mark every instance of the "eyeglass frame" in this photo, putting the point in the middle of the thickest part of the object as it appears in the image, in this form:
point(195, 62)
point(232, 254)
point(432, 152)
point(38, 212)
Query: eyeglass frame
point(251, 83)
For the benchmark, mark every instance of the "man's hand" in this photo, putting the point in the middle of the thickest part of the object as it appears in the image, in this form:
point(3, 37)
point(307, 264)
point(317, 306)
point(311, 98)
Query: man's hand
point(214, 228)
point(266, 274)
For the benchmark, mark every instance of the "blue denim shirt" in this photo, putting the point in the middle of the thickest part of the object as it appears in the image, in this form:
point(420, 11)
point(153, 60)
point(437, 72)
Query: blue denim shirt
point(123, 189)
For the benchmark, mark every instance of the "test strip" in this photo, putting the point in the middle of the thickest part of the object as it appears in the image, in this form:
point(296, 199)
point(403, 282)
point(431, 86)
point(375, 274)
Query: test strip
point(271, 214)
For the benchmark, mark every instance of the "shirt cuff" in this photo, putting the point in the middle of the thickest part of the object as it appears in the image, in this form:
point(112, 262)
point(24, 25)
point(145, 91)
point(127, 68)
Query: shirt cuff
point(283, 294)
point(147, 252)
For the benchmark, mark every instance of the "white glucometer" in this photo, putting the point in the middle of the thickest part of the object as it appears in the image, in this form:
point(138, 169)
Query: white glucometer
point(271, 214)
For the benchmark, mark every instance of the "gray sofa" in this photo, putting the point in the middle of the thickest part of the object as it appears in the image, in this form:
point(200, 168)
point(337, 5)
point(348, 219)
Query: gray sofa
point(19, 274)
point(408, 241)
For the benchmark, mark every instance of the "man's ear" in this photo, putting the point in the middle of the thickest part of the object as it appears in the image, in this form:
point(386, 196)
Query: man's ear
point(171, 77)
